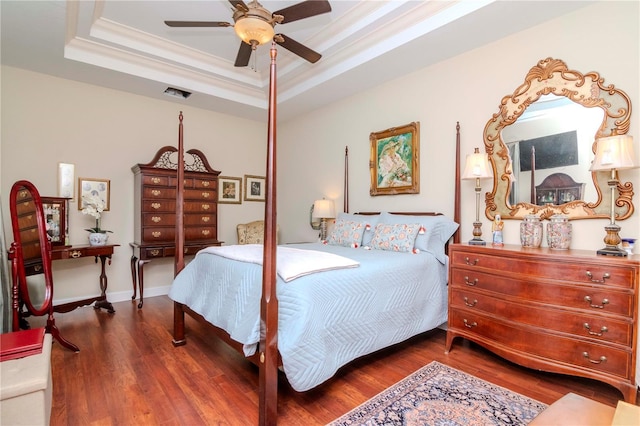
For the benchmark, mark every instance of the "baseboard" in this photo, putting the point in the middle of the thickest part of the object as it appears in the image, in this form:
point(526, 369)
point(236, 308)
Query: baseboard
point(123, 296)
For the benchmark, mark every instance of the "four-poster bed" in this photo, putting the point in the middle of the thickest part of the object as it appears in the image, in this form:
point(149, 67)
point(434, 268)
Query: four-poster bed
point(308, 345)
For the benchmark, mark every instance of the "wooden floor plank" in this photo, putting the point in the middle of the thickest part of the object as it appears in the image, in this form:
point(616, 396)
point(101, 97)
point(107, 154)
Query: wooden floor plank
point(128, 373)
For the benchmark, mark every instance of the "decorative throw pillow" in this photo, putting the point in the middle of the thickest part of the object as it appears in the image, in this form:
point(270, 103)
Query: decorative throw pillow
point(395, 237)
point(346, 233)
point(368, 220)
point(437, 231)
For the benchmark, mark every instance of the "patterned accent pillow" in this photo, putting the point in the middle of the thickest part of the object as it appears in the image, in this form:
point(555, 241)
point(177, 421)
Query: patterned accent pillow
point(346, 233)
point(395, 237)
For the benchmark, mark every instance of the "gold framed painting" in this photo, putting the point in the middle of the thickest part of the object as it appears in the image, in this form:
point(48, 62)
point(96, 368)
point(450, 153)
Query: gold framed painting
point(89, 187)
point(394, 162)
point(230, 190)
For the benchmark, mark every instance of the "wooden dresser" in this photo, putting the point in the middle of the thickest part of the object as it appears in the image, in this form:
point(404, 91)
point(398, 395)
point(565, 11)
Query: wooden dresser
point(562, 311)
point(155, 209)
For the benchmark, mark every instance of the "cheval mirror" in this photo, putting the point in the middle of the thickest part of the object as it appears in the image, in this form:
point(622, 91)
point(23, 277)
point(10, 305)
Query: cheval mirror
point(30, 256)
point(543, 139)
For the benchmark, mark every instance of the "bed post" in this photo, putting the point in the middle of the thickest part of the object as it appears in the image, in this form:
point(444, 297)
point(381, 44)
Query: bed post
point(268, 404)
point(456, 206)
point(178, 312)
point(345, 202)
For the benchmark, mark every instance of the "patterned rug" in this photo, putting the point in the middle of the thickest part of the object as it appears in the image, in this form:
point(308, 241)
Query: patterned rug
point(441, 395)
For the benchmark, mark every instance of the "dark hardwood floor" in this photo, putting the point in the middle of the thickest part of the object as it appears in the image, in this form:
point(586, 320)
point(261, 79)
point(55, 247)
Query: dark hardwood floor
point(128, 373)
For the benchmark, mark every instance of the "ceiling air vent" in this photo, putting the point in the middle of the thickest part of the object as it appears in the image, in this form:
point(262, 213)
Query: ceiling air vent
point(177, 93)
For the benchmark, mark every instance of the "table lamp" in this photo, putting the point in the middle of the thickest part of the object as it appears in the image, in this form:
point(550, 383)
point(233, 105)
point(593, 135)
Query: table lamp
point(477, 167)
point(613, 153)
point(323, 210)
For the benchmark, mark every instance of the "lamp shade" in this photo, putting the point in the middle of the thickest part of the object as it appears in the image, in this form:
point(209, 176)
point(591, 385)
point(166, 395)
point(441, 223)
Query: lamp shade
point(324, 209)
point(613, 153)
point(477, 166)
point(254, 29)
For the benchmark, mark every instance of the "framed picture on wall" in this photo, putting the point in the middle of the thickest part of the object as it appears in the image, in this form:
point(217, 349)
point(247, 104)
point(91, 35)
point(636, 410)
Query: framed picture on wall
point(394, 162)
point(88, 187)
point(230, 190)
point(254, 188)
point(66, 180)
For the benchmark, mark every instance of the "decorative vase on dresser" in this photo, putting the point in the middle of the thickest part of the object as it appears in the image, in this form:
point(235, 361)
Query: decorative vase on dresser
point(531, 231)
point(155, 209)
point(571, 312)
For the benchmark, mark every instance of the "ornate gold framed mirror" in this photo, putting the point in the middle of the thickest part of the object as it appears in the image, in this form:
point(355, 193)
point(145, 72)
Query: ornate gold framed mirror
point(535, 137)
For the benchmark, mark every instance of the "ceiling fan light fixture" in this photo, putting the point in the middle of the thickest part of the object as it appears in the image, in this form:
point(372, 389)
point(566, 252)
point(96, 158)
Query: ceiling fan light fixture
point(254, 29)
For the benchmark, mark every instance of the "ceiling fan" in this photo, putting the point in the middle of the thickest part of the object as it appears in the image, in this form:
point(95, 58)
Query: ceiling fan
point(255, 26)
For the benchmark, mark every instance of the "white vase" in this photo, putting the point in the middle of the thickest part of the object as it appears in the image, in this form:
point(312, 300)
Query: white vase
point(98, 238)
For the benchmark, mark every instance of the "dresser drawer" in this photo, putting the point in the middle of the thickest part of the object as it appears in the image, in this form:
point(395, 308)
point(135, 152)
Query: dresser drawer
point(199, 219)
point(204, 206)
point(200, 194)
point(158, 192)
point(599, 298)
point(159, 206)
point(603, 328)
point(152, 180)
point(535, 343)
point(560, 269)
point(159, 219)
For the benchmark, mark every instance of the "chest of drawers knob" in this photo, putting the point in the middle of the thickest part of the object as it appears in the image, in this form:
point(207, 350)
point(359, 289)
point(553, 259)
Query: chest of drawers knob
point(588, 300)
point(472, 304)
point(595, 333)
point(470, 283)
point(471, 262)
point(470, 325)
point(594, 361)
point(604, 277)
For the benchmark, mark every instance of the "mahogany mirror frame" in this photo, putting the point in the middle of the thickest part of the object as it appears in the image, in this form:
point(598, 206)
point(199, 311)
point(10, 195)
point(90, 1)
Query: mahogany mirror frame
point(552, 76)
point(27, 219)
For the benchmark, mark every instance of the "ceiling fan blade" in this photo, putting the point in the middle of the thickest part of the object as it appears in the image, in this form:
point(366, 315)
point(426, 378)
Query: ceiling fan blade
point(197, 24)
point(303, 10)
point(297, 48)
point(239, 5)
point(244, 53)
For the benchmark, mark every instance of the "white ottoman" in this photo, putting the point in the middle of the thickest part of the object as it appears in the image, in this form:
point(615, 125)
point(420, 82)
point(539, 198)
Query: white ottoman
point(25, 397)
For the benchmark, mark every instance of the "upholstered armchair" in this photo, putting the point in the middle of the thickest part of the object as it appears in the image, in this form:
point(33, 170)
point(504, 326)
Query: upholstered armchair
point(253, 232)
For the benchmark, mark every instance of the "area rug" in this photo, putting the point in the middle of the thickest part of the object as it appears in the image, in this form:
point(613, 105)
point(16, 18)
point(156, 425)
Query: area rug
point(441, 395)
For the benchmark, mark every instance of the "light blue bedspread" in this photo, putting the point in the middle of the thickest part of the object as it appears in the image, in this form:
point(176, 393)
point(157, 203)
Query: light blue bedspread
point(326, 319)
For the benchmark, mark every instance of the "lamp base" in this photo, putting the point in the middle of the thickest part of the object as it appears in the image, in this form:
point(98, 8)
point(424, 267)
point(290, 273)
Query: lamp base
point(612, 251)
point(477, 242)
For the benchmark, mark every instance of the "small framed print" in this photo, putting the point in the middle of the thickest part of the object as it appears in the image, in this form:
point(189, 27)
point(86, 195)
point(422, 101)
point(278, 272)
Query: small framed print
point(254, 188)
point(66, 179)
point(88, 187)
point(230, 190)
point(56, 217)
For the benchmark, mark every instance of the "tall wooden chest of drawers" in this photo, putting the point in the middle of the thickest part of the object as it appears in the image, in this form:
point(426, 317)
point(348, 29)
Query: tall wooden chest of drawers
point(155, 209)
point(563, 311)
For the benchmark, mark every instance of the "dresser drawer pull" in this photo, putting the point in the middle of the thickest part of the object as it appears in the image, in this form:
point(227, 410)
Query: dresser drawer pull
point(470, 283)
point(205, 207)
point(473, 324)
point(156, 205)
point(594, 361)
point(155, 180)
point(588, 300)
point(156, 219)
point(469, 262)
point(205, 232)
point(76, 254)
point(206, 195)
point(155, 252)
point(205, 183)
point(594, 333)
point(206, 219)
point(156, 234)
point(37, 268)
point(156, 192)
point(604, 277)
point(466, 302)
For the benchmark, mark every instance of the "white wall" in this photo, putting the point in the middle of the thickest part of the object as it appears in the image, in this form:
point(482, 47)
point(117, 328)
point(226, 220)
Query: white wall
point(47, 120)
point(467, 88)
